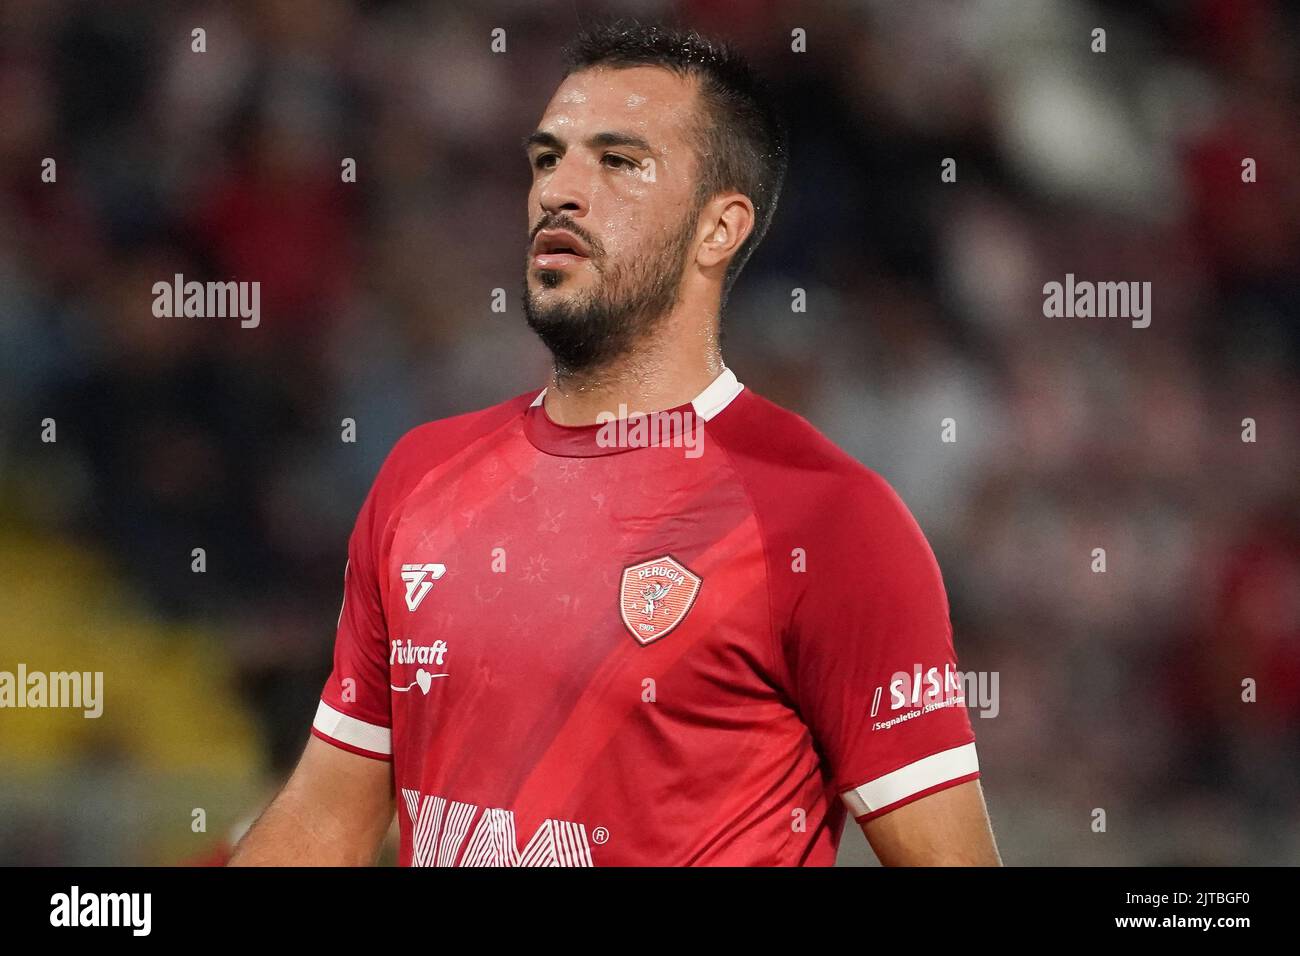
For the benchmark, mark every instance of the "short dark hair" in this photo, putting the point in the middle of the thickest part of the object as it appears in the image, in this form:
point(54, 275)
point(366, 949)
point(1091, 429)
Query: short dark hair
point(739, 138)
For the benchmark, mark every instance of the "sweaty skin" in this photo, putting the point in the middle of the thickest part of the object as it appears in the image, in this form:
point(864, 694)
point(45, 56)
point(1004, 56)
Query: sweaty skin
point(630, 197)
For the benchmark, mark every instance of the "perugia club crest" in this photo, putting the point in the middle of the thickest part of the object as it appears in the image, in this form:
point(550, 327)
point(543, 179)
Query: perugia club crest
point(655, 597)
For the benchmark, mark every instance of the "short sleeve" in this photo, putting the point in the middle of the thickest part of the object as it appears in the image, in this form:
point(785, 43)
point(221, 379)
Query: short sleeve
point(355, 706)
point(872, 664)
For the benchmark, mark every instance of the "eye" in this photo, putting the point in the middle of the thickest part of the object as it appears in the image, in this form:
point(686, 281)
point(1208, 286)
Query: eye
point(615, 161)
point(544, 160)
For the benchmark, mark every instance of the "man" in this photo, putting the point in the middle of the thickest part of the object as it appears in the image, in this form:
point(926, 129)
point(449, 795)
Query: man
point(643, 617)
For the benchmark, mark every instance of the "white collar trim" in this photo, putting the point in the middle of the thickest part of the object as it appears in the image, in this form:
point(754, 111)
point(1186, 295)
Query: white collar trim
point(720, 393)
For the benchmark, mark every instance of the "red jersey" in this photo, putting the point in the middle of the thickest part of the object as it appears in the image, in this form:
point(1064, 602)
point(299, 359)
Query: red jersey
point(578, 647)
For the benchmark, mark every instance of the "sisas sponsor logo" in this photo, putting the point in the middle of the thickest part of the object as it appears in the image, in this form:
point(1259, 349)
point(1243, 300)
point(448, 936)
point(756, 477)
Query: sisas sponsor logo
point(925, 690)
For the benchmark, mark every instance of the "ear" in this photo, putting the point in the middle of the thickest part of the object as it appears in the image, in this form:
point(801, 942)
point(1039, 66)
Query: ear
point(730, 220)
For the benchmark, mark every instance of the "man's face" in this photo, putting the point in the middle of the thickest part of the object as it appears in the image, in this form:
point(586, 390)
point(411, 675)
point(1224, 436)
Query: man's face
point(611, 211)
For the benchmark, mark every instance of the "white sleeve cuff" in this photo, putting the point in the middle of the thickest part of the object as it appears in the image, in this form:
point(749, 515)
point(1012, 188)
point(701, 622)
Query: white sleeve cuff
point(915, 778)
point(339, 727)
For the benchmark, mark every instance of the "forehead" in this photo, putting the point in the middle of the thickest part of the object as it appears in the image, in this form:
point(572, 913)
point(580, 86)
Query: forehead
point(650, 100)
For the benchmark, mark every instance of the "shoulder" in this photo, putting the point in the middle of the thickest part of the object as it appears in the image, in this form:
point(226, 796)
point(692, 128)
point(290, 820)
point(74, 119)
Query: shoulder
point(799, 479)
point(426, 446)
point(442, 438)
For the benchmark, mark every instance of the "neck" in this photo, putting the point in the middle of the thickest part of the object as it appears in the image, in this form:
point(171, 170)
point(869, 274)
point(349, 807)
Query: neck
point(664, 372)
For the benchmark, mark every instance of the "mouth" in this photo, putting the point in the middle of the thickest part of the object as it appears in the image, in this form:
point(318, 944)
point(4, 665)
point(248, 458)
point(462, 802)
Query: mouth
point(558, 249)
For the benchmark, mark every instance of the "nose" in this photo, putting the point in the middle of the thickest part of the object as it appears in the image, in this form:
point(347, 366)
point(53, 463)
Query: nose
point(563, 190)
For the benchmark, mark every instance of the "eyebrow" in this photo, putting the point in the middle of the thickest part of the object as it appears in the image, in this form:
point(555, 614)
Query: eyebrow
point(551, 141)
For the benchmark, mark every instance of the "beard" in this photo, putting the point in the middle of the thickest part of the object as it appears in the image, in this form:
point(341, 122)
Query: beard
point(630, 300)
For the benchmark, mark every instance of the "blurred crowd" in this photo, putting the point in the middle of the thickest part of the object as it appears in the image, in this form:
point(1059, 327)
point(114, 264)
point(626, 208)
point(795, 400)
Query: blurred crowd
point(1119, 691)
